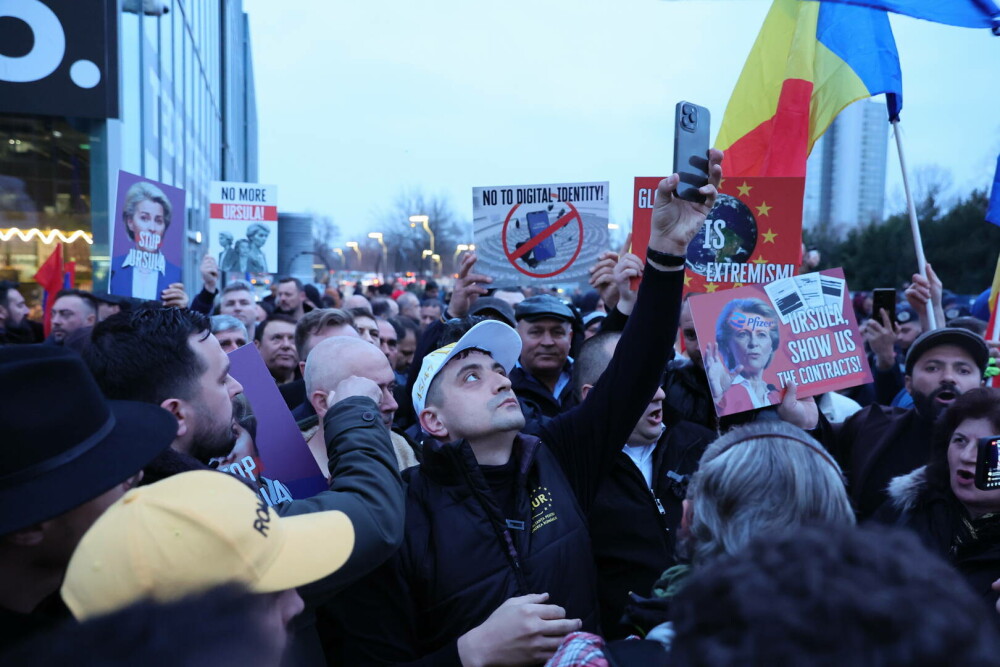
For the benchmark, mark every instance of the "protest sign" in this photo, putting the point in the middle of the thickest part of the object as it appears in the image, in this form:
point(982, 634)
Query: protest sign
point(270, 444)
point(752, 235)
point(539, 234)
point(243, 228)
point(757, 339)
point(146, 243)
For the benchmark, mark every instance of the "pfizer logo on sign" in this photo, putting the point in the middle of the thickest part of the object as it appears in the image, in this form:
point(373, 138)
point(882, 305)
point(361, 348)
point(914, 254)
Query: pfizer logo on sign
point(59, 57)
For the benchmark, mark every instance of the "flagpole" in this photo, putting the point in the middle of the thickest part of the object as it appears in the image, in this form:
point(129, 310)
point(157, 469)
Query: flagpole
point(918, 244)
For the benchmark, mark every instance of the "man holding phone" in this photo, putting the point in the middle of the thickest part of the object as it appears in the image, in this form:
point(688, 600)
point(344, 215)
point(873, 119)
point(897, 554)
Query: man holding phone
point(494, 566)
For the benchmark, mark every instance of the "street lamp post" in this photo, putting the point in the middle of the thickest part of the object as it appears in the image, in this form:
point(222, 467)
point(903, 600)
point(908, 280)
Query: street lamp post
point(425, 221)
point(385, 253)
point(459, 249)
point(353, 245)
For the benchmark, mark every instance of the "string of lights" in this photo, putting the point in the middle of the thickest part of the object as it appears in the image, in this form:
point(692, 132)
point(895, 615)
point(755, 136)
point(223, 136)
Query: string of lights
point(47, 237)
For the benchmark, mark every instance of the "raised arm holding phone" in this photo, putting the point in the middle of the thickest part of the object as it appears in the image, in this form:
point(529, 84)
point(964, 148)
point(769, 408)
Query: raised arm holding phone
point(495, 565)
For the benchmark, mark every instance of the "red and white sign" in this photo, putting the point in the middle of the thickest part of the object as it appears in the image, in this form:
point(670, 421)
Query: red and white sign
point(243, 227)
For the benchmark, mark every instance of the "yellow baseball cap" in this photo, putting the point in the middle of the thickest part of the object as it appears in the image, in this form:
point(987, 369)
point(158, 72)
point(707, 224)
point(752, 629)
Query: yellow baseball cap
point(195, 531)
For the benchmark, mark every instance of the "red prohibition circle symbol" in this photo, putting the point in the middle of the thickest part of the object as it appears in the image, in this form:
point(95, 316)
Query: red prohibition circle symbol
point(512, 257)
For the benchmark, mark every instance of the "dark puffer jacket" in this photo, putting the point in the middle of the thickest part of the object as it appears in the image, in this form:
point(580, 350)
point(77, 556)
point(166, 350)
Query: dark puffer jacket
point(461, 559)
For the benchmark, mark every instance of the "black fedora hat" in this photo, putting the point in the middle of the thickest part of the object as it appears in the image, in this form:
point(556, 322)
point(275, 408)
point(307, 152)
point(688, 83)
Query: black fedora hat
point(63, 443)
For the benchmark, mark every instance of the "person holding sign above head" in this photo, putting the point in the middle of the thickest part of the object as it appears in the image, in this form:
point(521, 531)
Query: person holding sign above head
point(144, 272)
point(746, 338)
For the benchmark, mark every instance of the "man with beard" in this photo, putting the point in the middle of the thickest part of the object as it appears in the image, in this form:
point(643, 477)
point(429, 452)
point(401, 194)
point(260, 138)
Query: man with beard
point(168, 357)
point(15, 327)
point(880, 443)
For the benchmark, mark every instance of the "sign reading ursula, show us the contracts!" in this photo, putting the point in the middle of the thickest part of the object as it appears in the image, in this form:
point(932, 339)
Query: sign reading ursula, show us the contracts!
point(243, 225)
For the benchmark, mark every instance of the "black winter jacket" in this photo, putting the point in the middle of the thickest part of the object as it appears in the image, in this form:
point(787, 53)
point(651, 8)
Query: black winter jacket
point(461, 559)
point(873, 446)
point(537, 402)
point(633, 528)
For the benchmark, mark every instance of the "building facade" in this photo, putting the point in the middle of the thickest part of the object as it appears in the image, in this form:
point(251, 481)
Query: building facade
point(845, 173)
point(173, 100)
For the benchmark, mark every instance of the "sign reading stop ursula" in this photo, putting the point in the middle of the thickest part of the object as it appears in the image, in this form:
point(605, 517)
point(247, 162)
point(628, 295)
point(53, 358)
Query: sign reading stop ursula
point(540, 234)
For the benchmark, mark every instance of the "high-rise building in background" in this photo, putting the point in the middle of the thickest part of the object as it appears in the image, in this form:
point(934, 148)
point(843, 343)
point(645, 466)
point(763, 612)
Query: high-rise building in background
point(160, 88)
point(845, 174)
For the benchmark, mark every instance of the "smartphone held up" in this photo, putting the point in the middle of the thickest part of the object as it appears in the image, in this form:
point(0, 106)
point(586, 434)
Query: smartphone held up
point(988, 463)
point(691, 137)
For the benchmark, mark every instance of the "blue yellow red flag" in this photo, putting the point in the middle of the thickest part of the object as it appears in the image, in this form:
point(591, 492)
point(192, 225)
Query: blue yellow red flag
point(993, 210)
point(811, 59)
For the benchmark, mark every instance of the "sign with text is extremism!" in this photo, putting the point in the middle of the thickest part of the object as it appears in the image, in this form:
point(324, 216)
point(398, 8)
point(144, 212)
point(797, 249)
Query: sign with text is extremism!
point(146, 241)
point(752, 235)
point(757, 339)
point(539, 234)
point(243, 228)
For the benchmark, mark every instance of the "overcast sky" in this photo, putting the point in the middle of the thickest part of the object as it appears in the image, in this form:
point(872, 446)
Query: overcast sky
point(360, 100)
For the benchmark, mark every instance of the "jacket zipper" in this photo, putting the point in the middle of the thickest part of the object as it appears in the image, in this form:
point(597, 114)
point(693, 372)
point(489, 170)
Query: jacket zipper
point(636, 473)
point(503, 536)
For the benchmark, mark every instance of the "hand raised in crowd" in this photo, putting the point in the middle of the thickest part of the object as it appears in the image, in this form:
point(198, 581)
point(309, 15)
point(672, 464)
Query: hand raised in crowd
point(924, 291)
point(881, 337)
point(801, 412)
point(629, 266)
point(720, 378)
point(468, 287)
point(522, 631)
point(353, 386)
point(175, 296)
point(676, 221)
point(602, 279)
point(209, 273)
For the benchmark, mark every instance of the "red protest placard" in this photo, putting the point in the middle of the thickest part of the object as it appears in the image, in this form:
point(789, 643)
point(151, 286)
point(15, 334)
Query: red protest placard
point(756, 339)
point(752, 235)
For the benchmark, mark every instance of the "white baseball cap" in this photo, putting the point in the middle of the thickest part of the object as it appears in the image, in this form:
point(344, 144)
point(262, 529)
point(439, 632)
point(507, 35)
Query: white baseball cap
point(497, 339)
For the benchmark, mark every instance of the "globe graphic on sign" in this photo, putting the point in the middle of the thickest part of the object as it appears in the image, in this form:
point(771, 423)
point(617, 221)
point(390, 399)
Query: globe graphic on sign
point(728, 235)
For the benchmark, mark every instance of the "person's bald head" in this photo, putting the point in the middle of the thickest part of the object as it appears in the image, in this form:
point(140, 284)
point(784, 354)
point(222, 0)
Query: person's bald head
point(338, 358)
point(358, 301)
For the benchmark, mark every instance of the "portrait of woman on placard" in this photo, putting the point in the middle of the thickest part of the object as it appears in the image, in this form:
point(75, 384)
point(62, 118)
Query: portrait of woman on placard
point(238, 259)
point(144, 272)
point(746, 338)
point(257, 234)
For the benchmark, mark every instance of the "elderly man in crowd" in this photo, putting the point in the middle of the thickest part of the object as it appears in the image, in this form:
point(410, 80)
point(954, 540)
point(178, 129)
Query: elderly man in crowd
point(543, 375)
point(230, 332)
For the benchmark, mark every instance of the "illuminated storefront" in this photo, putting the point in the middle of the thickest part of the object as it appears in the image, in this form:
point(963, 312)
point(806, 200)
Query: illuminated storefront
point(184, 113)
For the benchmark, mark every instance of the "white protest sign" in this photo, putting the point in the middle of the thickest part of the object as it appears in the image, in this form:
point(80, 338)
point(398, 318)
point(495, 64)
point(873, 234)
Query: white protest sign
point(243, 227)
point(540, 234)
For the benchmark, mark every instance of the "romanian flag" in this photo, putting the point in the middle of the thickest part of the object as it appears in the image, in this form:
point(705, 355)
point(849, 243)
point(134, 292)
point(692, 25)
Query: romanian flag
point(993, 328)
point(811, 59)
point(50, 276)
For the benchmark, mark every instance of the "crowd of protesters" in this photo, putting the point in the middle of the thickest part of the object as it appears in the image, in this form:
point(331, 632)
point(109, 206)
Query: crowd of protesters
point(513, 478)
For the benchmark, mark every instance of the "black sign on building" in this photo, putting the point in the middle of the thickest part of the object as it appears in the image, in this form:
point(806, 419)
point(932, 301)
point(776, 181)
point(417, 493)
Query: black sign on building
point(59, 58)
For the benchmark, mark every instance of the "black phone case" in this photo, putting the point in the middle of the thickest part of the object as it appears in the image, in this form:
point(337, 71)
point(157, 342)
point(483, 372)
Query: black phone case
point(987, 475)
point(884, 297)
point(691, 140)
